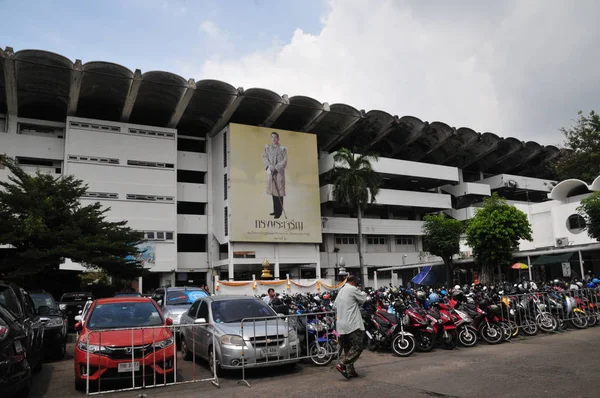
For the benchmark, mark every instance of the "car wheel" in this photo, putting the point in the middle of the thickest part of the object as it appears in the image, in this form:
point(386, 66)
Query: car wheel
point(217, 369)
point(185, 352)
point(80, 385)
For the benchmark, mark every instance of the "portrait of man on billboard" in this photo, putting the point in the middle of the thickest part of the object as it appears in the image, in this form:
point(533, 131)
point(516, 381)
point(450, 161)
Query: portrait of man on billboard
point(275, 157)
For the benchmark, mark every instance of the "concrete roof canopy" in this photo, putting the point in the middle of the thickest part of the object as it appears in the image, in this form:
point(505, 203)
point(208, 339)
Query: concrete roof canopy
point(42, 85)
point(562, 190)
point(103, 91)
point(596, 184)
point(42, 92)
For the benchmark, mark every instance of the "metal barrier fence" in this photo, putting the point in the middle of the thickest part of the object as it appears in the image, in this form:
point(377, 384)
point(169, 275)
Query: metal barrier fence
point(286, 339)
point(150, 357)
point(550, 311)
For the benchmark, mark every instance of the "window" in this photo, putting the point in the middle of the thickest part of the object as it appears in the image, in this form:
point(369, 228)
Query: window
point(345, 240)
point(101, 195)
point(191, 243)
point(118, 315)
point(376, 240)
point(225, 186)
point(143, 163)
point(576, 223)
point(405, 240)
point(203, 311)
point(150, 198)
point(225, 149)
point(34, 129)
point(158, 235)
point(191, 208)
point(189, 176)
point(194, 309)
point(152, 133)
point(225, 222)
point(93, 126)
point(35, 162)
point(93, 159)
point(190, 145)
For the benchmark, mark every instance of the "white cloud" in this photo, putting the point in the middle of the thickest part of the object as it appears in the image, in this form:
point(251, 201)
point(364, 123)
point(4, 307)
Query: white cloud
point(515, 68)
point(211, 29)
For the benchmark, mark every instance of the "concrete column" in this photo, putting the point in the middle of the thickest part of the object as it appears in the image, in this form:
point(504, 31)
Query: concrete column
point(375, 280)
point(276, 267)
point(530, 270)
point(173, 279)
point(140, 286)
point(230, 269)
point(318, 263)
point(581, 264)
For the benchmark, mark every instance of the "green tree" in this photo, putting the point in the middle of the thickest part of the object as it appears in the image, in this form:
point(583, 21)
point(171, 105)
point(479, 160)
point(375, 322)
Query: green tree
point(44, 222)
point(494, 233)
point(356, 185)
point(442, 238)
point(581, 159)
point(590, 210)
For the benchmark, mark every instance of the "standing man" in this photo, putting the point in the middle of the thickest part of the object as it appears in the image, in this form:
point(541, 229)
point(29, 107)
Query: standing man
point(275, 160)
point(350, 325)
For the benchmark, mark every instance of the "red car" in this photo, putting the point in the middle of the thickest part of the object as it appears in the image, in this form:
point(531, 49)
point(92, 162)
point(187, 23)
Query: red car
point(121, 335)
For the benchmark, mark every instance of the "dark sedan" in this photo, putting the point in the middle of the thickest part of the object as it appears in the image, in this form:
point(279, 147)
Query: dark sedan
point(55, 324)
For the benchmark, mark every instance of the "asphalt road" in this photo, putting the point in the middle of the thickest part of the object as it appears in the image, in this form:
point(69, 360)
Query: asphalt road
point(557, 365)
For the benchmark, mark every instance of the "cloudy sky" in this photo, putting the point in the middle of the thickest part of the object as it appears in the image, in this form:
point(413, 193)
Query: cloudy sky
point(519, 68)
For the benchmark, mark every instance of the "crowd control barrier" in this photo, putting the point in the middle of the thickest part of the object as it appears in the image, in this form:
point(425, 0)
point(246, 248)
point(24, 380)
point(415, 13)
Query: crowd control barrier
point(287, 339)
point(148, 360)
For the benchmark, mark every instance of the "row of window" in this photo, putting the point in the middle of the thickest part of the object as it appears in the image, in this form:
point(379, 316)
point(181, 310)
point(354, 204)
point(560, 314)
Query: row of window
point(117, 129)
point(114, 195)
point(158, 235)
point(374, 240)
point(139, 163)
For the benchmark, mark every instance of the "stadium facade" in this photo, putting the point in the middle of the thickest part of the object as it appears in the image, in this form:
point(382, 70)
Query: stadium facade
point(185, 162)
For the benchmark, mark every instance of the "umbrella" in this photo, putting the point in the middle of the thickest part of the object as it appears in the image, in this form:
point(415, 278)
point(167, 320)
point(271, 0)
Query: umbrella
point(519, 266)
point(425, 277)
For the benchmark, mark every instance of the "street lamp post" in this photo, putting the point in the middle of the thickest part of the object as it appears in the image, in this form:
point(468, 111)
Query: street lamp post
point(341, 264)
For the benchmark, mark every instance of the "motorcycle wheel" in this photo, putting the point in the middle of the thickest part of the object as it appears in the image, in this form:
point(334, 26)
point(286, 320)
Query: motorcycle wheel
point(579, 321)
point(492, 333)
point(547, 322)
point(592, 320)
point(467, 337)
point(372, 345)
point(506, 331)
point(322, 354)
point(514, 328)
point(530, 328)
point(451, 341)
point(404, 346)
point(425, 342)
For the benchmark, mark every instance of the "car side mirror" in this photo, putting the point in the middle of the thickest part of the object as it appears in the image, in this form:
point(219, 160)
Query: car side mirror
point(78, 318)
point(169, 322)
point(43, 310)
point(78, 326)
point(198, 321)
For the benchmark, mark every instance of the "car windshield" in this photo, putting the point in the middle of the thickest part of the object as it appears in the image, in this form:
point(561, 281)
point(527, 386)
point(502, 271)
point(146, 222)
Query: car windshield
point(184, 297)
point(231, 311)
point(40, 299)
point(124, 315)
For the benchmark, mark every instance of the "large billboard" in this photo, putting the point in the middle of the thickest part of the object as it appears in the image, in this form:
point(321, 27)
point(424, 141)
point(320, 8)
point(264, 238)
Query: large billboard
point(274, 195)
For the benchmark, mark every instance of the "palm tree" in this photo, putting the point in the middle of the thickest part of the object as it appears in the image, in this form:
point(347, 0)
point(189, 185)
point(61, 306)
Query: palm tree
point(355, 185)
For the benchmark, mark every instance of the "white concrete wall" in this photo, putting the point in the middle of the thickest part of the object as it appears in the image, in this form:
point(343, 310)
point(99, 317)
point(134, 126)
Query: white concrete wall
point(400, 198)
point(217, 202)
point(189, 192)
point(124, 179)
point(467, 188)
point(192, 224)
point(343, 225)
point(400, 168)
point(192, 262)
point(192, 161)
point(532, 184)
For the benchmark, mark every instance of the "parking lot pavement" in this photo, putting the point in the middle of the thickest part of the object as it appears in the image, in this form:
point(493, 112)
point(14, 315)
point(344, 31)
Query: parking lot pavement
point(556, 365)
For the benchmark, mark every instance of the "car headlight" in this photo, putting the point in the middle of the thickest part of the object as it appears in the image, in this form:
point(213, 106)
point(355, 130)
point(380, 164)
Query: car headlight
point(163, 343)
point(292, 335)
point(232, 339)
point(93, 348)
point(54, 322)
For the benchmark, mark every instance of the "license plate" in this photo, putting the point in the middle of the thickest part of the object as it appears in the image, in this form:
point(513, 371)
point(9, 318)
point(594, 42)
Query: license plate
point(18, 346)
point(128, 366)
point(271, 351)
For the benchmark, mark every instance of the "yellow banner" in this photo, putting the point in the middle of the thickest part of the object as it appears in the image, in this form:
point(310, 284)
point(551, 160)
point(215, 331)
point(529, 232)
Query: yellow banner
point(274, 178)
